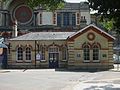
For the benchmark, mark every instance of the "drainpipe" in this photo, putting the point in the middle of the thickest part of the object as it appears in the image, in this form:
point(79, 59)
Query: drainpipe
point(35, 53)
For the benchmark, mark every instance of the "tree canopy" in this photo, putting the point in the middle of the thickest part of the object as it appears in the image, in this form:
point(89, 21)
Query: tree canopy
point(109, 9)
point(47, 4)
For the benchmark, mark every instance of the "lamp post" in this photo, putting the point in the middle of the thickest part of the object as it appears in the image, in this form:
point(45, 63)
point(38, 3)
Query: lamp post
point(117, 49)
point(118, 53)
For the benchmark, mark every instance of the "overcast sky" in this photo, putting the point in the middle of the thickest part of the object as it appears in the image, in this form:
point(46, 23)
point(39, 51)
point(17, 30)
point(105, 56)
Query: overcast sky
point(78, 1)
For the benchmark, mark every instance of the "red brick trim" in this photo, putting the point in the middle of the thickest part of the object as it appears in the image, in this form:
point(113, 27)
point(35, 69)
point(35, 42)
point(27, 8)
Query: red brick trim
point(93, 29)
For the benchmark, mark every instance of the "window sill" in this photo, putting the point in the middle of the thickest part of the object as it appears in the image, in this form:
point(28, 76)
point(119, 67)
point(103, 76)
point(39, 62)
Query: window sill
point(19, 61)
point(64, 60)
point(43, 60)
point(86, 61)
point(28, 61)
point(96, 61)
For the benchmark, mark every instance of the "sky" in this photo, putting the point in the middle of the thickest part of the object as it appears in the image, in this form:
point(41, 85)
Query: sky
point(75, 1)
point(78, 1)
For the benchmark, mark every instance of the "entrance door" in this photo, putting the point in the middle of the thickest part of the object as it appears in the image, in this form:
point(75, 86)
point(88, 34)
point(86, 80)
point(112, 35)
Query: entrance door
point(53, 60)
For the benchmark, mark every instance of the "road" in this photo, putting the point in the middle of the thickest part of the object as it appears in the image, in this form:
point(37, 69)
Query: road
point(49, 79)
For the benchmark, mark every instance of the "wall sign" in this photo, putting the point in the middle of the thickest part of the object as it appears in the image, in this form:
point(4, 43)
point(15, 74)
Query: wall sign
point(38, 56)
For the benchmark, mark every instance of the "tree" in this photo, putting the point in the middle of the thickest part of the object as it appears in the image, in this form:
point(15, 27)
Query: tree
point(108, 9)
point(47, 4)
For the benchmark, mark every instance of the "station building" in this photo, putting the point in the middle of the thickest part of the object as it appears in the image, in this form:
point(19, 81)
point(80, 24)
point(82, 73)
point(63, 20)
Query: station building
point(88, 48)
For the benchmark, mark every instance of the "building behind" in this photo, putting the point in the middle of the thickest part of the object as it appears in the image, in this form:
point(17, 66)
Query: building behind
point(72, 17)
point(59, 39)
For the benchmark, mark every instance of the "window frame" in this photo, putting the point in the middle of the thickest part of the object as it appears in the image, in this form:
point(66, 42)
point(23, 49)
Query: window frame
point(98, 53)
point(19, 53)
point(84, 53)
point(28, 54)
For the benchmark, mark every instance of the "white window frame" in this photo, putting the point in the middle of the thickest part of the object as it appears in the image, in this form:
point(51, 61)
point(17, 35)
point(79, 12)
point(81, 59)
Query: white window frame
point(17, 53)
point(84, 53)
point(27, 53)
point(98, 54)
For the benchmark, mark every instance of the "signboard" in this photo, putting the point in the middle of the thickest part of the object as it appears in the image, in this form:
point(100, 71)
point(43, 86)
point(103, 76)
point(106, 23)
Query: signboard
point(38, 56)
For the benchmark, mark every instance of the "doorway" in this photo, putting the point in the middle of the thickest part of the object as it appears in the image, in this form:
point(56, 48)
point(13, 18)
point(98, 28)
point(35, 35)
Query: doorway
point(53, 57)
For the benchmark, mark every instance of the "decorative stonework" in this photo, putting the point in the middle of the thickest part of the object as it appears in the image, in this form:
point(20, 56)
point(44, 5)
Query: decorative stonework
point(23, 14)
point(91, 36)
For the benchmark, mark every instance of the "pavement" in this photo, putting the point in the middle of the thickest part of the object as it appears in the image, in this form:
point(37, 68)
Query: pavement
point(49, 79)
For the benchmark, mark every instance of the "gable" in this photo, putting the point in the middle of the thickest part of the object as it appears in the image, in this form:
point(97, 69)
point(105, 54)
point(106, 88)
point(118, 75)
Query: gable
point(94, 29)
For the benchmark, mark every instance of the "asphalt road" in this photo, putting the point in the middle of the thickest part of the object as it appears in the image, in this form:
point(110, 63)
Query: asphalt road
point(49, 79)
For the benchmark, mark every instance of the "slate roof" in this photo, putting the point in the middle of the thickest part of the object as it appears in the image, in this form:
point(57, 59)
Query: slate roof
point(56, 35)
point(44, 36)
point(3, 45)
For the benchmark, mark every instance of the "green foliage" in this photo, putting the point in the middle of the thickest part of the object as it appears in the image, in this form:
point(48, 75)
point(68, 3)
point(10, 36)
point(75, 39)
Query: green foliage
point(108, 24)
point(109, 9)
point(47, 4)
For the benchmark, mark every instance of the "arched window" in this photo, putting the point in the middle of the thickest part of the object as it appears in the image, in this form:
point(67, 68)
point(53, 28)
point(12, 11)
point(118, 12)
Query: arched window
point(53, 49)
point(64, 53)
point(42, 53)
point(53, 53)
point(28, 53)
point(86, 51)
point(95, 52)
point(19, 53)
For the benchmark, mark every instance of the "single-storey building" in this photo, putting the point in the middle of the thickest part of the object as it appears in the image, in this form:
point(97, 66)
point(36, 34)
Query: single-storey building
point(88, 48)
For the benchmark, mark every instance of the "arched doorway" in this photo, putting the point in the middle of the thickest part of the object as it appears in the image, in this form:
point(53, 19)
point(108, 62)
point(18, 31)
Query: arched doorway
point(53, 57)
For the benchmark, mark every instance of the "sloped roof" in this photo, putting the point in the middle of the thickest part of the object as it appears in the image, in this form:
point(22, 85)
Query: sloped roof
point(3, 45)
point(103, 33)
point(62, 35)
point(44, 36)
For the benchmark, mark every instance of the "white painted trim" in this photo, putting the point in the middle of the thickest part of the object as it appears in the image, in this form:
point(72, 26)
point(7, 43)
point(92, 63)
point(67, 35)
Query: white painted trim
point(86, 60)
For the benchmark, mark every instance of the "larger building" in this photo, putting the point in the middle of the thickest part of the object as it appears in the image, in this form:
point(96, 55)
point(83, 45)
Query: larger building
point(70, 18)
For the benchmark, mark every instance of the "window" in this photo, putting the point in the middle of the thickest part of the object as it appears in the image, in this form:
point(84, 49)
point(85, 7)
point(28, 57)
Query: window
point(95, 52)
point(53, 49)
point(28, 53)
point(19, 53)
point(64, 53)
point(86, 50)
point(42, 52)
point(66, 19)
point(59, 19)
point(73, 20)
